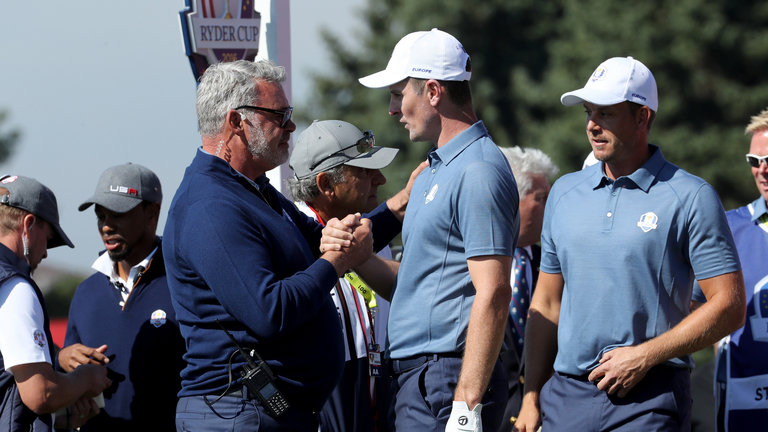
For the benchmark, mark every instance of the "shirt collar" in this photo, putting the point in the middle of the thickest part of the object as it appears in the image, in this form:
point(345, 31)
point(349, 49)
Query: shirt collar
point(758, 209)
point(219, 166)
point(457, 144)
point(10, 256)
point(643, 177)
point(106, 266)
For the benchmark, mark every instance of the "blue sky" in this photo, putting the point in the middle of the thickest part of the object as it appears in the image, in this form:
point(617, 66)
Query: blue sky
point(94, 83)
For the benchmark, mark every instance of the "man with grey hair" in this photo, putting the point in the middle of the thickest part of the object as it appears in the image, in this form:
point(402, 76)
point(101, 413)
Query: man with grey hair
point(336, 173)
point(241, 259)
point(532, 169)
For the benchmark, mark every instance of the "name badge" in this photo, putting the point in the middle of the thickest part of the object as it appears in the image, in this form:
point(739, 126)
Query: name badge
point(374, 361)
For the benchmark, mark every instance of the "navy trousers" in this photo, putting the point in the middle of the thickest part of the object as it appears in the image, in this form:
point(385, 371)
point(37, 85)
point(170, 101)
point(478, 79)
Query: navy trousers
point(660, 402)
point(424, 397)
point(233, 413)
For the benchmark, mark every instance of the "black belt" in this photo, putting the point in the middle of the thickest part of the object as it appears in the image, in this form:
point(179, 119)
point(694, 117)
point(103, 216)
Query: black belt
point(403, 365)
point(658, 369)
point(235, 392)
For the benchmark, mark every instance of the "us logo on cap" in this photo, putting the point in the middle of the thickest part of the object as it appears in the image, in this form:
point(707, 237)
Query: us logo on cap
point(9, 179)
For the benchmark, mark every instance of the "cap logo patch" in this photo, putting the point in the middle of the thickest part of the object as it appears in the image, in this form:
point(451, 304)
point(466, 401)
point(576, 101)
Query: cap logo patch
point(9, 179)
point(420, 69)
point(158, 318)
point(39, 338)
point(635, 95)
point(648, 221)
point(124, 190)
point(599, 73)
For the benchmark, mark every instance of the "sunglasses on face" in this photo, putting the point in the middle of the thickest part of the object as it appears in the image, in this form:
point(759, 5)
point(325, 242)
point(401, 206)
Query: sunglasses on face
point(363, 145)
point(285, 113)
point(754, 160)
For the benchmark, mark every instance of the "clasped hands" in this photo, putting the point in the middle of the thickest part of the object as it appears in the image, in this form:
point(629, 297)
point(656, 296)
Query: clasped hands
point(347, 242)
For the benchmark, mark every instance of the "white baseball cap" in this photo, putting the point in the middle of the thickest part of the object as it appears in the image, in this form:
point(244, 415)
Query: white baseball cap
point(432, 54)
point(616, 80)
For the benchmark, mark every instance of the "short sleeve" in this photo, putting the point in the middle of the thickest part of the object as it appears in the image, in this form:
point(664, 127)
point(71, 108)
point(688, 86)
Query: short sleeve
point(22, 339)
point(711, 246)
point(487, 211)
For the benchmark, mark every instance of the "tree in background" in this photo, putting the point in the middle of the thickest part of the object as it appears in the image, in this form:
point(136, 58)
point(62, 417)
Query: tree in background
point(7, 139)
point(708, 58)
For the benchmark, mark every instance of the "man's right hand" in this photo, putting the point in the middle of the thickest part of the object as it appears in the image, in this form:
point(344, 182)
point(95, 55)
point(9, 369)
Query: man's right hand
point(529, 418)
point(338, 234)
point(74, 355)
point(347, 254)
point(95, 378)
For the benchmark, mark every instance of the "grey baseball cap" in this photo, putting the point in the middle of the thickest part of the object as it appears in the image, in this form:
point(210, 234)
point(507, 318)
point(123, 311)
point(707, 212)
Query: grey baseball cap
point(329, 143)
point(123, 187)
point(30, 195)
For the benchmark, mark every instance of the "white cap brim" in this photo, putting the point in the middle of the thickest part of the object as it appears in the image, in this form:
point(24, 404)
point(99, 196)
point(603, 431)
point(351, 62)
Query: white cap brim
point(596, 97)
point(381, 79)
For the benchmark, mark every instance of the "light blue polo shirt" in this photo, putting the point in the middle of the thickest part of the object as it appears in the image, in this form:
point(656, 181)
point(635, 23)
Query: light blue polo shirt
point(464, 205)
point(628, 251)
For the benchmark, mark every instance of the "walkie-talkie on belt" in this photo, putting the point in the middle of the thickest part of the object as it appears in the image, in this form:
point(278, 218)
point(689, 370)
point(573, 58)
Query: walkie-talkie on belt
point(260, 381)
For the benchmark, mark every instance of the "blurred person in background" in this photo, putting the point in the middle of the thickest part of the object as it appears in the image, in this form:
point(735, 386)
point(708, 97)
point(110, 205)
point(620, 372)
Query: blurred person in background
point(532, 169)
point(741, 365)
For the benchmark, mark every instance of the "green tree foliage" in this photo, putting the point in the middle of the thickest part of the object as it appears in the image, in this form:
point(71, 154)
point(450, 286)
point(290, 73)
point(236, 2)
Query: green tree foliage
point(708, 58)
point(7, 139)
point(59, 296)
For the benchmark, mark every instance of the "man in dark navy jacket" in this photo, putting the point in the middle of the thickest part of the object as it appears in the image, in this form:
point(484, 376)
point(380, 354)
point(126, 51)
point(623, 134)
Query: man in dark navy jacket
point(242, 257)
point(122, 315)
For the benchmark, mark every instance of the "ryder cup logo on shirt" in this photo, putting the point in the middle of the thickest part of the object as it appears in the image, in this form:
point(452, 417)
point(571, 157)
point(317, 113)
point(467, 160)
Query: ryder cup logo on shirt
point(39, 338)
point(648, 221)
point(158, 318)
point(431, 194)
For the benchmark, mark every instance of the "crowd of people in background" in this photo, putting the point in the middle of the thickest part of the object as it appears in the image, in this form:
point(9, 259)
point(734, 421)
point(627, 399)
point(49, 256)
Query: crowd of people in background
point(517, 305)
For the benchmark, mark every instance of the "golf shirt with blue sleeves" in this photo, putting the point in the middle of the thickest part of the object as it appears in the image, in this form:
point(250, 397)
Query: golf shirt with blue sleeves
point(464, 205)
point(629, 251)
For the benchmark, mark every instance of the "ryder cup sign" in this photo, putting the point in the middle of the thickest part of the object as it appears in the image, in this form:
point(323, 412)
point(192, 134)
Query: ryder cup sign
point(217, 31)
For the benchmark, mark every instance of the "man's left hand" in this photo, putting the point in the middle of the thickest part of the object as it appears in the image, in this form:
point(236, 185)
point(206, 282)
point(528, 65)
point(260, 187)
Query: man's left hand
point(462, 419)
point(620, 370)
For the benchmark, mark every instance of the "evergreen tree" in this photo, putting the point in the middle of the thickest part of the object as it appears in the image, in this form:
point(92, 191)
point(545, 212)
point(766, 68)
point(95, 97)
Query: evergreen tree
point(708, 58)
point(7, 139)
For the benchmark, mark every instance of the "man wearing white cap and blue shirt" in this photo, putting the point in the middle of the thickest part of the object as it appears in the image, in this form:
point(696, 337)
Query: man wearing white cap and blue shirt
point(336, 173)
point(622, 243)
point(451, 298)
